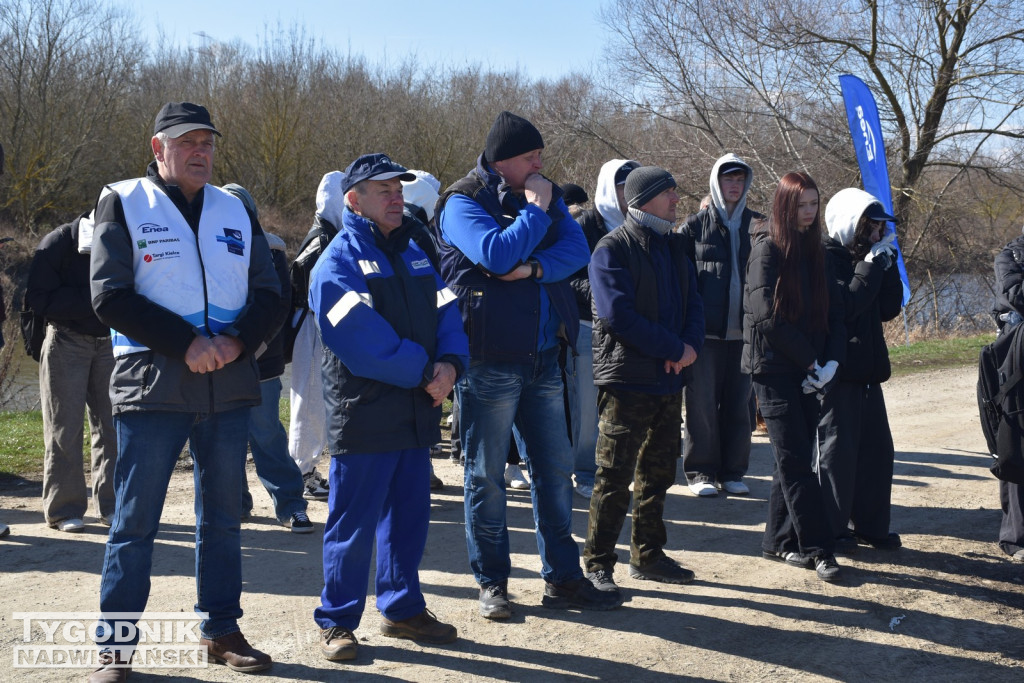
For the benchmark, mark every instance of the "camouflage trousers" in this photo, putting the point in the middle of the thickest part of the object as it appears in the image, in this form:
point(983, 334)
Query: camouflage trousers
point(638, 443)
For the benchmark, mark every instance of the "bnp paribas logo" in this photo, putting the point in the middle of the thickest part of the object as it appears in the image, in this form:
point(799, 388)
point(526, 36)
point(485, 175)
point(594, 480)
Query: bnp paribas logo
point(142, 244)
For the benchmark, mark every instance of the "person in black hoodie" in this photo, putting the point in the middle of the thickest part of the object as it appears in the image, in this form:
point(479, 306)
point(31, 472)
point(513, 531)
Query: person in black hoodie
point(793, 342)
point(75, 365)
point(855, 449)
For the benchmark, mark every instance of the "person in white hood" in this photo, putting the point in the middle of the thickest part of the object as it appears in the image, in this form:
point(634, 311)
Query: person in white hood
point(855, 449)
point(716, 439)
point(608, 213)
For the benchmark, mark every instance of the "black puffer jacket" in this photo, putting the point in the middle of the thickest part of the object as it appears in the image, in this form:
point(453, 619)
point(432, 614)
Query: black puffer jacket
point(707, 245)
point(772, 345)
point(871, 296)
point(593, 229)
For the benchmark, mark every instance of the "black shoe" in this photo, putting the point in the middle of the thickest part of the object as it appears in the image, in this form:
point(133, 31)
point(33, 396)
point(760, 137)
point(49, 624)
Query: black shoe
point(435, 482)
point(299, 523)
point(662, 570)
point(827, 568)
point(846, 544)
point(792, 559)
point(494, 602)
point(889, 542)
point(579, 594)
point(602, 580)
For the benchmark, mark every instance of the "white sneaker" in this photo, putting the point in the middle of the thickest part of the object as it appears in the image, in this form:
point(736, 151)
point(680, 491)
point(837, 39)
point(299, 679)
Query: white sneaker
point(703, 489)
point(736, 488)
point(314, 487)
point(584, 490)
point(516, 478)
point(72, 525)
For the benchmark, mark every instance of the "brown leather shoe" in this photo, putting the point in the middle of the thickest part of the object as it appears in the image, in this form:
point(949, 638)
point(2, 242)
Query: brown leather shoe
point(235, 651)
point(424, 628)
point(338, 643)
point(112, 669)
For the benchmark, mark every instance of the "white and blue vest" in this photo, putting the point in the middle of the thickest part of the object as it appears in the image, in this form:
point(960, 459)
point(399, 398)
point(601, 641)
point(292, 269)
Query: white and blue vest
point(204, 278)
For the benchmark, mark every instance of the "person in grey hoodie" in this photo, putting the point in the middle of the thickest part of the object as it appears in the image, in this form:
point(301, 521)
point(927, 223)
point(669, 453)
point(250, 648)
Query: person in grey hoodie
point(608, 213)
point(716, 445)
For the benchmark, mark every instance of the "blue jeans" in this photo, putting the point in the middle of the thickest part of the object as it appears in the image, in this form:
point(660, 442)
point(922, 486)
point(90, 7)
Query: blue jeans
point(586, 394)
point(383, 495)
point(494, 396)
point(148, 446)
point(274, 465)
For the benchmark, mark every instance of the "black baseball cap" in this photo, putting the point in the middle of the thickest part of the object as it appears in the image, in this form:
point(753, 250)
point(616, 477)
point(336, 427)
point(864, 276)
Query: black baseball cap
point(732, 167)
point(373, 167)
point(177, 118)
point(620, 175)
point(876, 212)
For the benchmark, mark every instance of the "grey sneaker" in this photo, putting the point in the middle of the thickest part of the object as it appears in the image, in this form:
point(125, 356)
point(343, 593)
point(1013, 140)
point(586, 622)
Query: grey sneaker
point(662, 570)
point(494, 602)
point(827, 568)
point(602, 580)
point(314, 487)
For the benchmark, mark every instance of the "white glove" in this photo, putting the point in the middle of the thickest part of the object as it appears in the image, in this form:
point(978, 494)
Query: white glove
point(807, 386)
point(825, 374)
point(883, 252)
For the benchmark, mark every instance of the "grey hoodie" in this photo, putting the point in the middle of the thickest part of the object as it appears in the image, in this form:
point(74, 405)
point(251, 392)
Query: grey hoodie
point(732, 223)
point(606, 201)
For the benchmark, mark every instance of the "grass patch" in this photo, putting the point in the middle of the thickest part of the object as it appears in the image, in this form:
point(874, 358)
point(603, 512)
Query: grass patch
point(21, 443)
point(937, 354)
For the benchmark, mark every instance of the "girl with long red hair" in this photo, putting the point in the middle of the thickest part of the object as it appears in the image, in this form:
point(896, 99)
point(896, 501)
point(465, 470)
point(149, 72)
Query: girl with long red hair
point(793, 341)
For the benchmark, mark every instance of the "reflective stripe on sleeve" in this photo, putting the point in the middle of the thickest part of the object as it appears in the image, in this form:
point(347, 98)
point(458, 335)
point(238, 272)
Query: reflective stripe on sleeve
point(444, 296)
point(349, 301)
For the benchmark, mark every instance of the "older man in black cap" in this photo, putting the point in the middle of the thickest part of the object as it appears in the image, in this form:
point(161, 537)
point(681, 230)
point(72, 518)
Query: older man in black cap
point(182, 274)
point(508, 246)
point(393, 349)
point(648, 329)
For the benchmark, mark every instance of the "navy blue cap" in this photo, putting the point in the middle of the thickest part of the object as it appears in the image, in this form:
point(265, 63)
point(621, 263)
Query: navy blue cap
point(177, 118)
point(623, 172)
point(373, 167)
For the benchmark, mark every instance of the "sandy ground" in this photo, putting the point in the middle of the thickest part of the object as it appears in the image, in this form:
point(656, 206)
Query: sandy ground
point(946, 607)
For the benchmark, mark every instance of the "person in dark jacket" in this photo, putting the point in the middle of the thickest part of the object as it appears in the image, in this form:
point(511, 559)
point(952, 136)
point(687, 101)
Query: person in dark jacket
point(608, 213)
point(793, 342)
point(855, 449)
point(648, 329)
point(508, 247)
point(268, 441)
point(74, 378)
point(1009, 311)
point(716, 443)
point(393, 348)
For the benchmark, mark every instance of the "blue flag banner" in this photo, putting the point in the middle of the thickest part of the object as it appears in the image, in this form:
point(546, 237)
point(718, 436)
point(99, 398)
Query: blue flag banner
point(866, 130)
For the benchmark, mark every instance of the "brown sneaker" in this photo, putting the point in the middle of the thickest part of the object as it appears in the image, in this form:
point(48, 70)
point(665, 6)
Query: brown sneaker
point(424, 628)
point(338, 643)
point(235, 651)
point(112, 669)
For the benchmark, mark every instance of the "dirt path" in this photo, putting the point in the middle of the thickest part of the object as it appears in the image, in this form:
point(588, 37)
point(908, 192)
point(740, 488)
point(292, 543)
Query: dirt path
point(958, 603)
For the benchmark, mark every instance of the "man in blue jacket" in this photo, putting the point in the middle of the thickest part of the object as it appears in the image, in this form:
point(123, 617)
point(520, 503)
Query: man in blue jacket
point(648, 330)
point(393, 349)
point(508, 246)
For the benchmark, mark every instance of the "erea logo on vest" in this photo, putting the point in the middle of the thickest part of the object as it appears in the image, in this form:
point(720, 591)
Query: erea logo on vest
point(233, 239)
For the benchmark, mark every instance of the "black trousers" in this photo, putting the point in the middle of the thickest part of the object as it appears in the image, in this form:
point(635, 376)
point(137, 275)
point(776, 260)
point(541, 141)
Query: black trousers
point(855, 459)
point(1011, 530)
point(796, 508)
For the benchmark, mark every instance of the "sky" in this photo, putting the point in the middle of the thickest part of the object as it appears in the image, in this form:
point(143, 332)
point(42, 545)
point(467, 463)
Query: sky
point(543, 38)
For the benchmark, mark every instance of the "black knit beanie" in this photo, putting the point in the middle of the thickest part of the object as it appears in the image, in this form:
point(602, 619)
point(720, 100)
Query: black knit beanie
point(645, 183)
point(510, 136)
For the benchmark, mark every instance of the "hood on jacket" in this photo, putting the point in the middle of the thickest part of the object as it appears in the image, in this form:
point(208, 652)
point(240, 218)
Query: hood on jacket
point(716, 191)
point(606, 201)
point(330, 200)
point(844, 211)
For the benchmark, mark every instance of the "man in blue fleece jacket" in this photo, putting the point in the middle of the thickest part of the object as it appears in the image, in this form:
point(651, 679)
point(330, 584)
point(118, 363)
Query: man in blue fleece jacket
point(648, 330)
point(508, 246)
point(393, 349)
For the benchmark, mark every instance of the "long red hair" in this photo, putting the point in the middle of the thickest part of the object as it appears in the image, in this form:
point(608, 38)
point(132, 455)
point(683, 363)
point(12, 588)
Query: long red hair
point(799, 250)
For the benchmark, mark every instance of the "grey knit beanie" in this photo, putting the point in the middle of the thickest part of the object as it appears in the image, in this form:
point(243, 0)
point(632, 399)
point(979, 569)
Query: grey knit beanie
point(645, 183)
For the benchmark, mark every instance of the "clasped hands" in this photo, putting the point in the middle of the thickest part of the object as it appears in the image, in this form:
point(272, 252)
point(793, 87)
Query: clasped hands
point(441, 385)
point(689, 355)
point(207, 354)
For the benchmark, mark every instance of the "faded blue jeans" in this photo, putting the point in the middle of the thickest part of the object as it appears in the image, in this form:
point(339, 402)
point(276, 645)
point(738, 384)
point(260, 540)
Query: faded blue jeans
point(586, 392)
point(277, 471)
point(494, 396)
point(148, 446)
